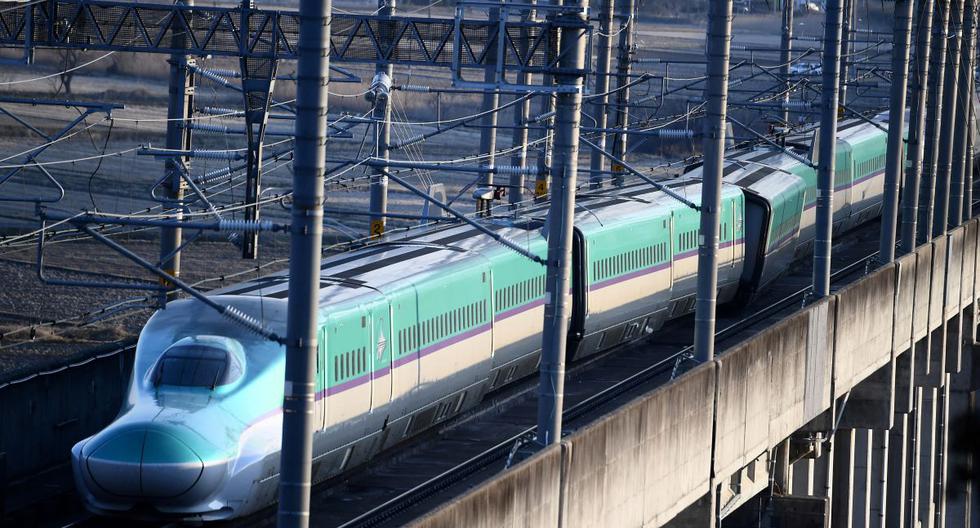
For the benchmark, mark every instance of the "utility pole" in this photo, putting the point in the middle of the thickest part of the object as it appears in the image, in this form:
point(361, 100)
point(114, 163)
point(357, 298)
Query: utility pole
point(561, 215)
point(916, 145)
point(828, 150)
point(180, 108)
point(545, 117)
point(960, 142)
point(786, 55)
point(522, 113)
point(305, 239)
point(381, 114)
point(896, 128)
point(970, 147)
point(491, 99)
point(716, 96)
point(624, 66)
point(845, 49)
point(937, 69)
point(946, 131)
point(600, 102)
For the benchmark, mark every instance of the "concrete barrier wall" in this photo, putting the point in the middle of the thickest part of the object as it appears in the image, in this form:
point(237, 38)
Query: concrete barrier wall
point(923, 281)
point(759, 399)
point(788, 350)
point(969, 262)
point(819, 357)
point(527, 495)
point(903, 307)
point(937, 283)
point(954, 271)
point(863, 338)
point(647, 461)
point(57, 409)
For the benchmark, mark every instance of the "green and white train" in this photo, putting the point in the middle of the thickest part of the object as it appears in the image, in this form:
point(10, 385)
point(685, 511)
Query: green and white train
point(417, 329)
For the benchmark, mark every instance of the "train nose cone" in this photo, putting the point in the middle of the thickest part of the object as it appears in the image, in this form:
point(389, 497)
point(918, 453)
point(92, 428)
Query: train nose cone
point(145, 462)
point(169, 467)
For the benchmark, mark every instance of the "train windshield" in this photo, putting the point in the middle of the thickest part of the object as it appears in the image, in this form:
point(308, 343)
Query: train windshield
point(201, 361)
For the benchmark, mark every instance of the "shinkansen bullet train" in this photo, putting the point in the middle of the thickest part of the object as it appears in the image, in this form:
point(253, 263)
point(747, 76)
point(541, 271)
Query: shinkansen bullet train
point(417, 329)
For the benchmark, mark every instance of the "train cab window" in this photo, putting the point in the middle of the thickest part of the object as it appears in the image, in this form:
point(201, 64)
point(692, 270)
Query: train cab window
point(203, 361)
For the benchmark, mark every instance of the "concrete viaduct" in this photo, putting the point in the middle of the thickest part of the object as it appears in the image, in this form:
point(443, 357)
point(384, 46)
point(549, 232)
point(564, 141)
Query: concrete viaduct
point(844, 414)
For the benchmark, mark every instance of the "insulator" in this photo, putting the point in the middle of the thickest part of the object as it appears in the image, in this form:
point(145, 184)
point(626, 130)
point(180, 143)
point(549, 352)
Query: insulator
point(415, 88)
point(208, 74)
point(797, 105)
point(516, 170)
point(219, 111)
point(207, 127)
point(381, 84)
point(668, 133)
point(252, 323)
point(217, 154)
point(542, 117)
point(224, 73)
point(418, 138)
point(245, 226)
point(213, 176)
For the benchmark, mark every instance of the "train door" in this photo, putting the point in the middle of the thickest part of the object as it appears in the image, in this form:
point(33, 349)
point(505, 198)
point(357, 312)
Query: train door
point(348, 362)
point(726, 240)
point(403, 349)
point(380, 356)
point(843, 182)
point(738, 238)
point(320, 404)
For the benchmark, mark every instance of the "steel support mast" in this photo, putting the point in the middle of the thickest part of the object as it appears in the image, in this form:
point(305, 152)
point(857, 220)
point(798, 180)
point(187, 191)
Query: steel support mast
point(970, 135)
point(917, 118)
point(716, 97)
point(561, 214)
point(896, 129)
point(930, 160)
point(180, 108)
point(381, 113)
point(491, 99)
point(786, 55)
point(600, 102)
point(545, 117)
point(522, 113)
point(962, 127)
point(624, 70)
point(827, 150)
point(947, 132)
point(845, 49)
point(309, 163)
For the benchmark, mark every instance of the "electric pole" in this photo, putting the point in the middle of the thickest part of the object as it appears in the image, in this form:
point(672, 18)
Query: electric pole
point(947, 129)
point(180, 108)
point(381, 114)
point(895, 158)
point(916, 145)
point(309, 163)
point(827, 150)
point(716, 97)
point(786, 56)
point(600, 102)
point(561, 215)
point(937, 69)
point(624, 68)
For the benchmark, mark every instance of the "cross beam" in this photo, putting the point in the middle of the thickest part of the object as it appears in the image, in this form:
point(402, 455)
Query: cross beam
point(273, 34)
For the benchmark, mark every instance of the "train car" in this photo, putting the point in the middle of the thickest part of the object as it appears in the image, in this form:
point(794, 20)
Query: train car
point(413, 331)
